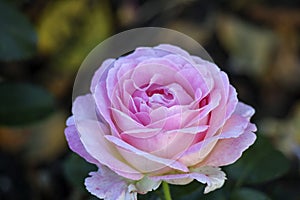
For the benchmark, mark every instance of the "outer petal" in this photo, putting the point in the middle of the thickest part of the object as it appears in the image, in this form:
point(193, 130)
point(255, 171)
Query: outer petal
point(234, 140)
point(212, 176)
point(198, 152)
point(174, 50)
point(99, 73)
point(244, 110)
point(76, 145)
point(227, 151)
point(108, 185)
point(234, 127)
point(143, 161)
point(146, 184)
point(92, 134)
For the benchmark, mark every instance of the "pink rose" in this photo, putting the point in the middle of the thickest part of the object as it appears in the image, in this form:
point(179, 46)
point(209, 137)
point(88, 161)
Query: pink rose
point(158, 114)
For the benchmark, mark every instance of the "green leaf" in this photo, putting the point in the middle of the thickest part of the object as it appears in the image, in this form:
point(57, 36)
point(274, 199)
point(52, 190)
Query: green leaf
point(261, 163)
point(23, 103)
point(76, 169)
point(17, 36)
point(248, 194)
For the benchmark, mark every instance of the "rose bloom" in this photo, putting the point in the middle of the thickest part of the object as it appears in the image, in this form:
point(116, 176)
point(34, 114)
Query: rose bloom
point(158, 114)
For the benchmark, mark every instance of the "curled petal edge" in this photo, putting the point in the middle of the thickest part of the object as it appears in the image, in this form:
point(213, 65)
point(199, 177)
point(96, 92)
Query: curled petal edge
point(108, 185)
point(214, 177)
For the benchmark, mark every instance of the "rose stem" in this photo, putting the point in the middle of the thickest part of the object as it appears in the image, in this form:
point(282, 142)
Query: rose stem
point(166, 190)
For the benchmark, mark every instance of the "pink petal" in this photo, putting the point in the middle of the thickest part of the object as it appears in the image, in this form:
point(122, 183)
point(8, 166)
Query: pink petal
point(107, 185)
point(142, 52)
point(176, 179)
point(163, 72)
point(227, 151)
point(232, 102)
point(125, 122)
point(205, 110)
point(142, 133)
point(93, 138)
point(196, 79)
point(198, 152)
point(180, 95)
point(234, 127)
point(92, 134)
point(70, 121)
point(174, 50)
point(84, 108)
point(165, 144)
point(100, 73)
point(244, 110)
point(103, 106)
point(146, 184)
point(76, 145)
point(150, 162)
point(212, 176)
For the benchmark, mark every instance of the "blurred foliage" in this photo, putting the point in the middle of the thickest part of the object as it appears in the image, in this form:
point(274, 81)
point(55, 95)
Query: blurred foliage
point(250, 46)
point(76, 170)
point(42, 44)
point(259, 164)
point(23, 103)
point(17, 35)
point(71, 29)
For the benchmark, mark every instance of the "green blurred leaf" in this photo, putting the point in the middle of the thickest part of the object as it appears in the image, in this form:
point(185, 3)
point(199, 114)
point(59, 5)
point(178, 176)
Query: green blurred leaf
point(17, 36)
point(69, 30)
point(76, 169)
point(248, 194)
point(22, 103)
point(261, 163)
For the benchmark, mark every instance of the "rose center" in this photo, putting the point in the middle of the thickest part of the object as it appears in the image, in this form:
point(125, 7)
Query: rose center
point(159, 95)
point(155, 96)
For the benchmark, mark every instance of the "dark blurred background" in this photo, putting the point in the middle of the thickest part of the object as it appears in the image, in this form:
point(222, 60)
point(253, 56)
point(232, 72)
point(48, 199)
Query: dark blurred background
point(43, 42)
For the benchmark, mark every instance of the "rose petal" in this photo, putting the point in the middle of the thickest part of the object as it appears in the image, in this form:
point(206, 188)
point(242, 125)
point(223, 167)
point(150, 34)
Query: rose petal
point(107, 185)
point(84, 109)
point(165, 144)
point(244, 110)
point(180, 95)
point(142, 52)
point(70, 121)
point(227, 151)
point(76, 145)
point(125, 122)
point(93, 139)
point(92, 134)
point(157, 67)
point(173, 50)
point(232, 102)
point(176, 179)
point(100, 73)
point(212, 176)
point(234, 127)
point(146, 184)
point(196, 78)
point(189, 130)
point(198, 152)
point(153, 162)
